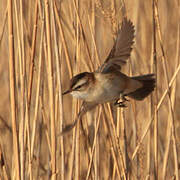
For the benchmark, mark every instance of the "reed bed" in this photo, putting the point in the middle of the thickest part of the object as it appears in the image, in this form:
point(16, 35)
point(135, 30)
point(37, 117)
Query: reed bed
point(42, 45)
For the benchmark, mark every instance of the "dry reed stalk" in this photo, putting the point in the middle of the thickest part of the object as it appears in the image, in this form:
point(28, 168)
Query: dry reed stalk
point(23, 96)
point(22, 88)
point(58, 69)
point(77, 134)
point(121, 134)
point(170, 84)
point(27, 129)
point(77, 148)
point(155, 94)
point(45, 121)
point(22, 46)
point(15, 159)
point(57, 124)
point(115, 165)
point(92, 23)
point(43, 107)
point(94, 144)
point(29, 18)
point(97, 154)
point(88, 146)
point(116, 145)
point(72, 158)
point(148, 153)
point(171, 109)
point(113, 145)
point(34, 124)
point(113, 20)
point(141, 139)
point(123, 140)
point(58, 19)
point(91, 65)
point(61, 122)
point(31, 140)
point(33, 47)
point(118, 135)
point(166, 154)
point(40, 9)
point(51, 92)
point(94, 43)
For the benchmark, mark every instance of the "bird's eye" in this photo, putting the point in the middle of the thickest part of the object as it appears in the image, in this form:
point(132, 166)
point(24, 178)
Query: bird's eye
point(78, 87)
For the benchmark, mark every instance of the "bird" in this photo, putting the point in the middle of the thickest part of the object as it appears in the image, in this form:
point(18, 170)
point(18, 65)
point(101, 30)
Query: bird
point(108, 83)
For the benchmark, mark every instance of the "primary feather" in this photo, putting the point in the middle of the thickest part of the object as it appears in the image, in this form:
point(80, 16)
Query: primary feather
point(122, 48)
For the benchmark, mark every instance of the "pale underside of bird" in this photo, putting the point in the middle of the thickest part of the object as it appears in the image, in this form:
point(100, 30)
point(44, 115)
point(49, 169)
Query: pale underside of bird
point(108, 83)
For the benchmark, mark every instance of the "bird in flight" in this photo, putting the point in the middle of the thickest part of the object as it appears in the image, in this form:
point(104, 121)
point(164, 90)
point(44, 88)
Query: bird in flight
point(108, 83)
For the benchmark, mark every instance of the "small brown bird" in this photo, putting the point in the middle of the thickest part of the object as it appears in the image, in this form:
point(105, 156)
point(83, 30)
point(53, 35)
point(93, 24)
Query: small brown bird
point(107, 83)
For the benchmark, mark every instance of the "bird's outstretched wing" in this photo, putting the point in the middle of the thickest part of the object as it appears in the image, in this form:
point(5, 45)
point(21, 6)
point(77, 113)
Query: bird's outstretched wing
point(122, 48)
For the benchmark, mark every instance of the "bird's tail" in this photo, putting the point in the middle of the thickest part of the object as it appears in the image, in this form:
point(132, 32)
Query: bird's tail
point(148, 81)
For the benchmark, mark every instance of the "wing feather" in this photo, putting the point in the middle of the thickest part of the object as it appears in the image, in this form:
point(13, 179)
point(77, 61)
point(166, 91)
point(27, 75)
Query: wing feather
point(122, 48)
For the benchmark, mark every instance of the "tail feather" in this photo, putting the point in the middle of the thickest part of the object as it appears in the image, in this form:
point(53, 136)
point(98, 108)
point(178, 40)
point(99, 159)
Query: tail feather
point(148, 82)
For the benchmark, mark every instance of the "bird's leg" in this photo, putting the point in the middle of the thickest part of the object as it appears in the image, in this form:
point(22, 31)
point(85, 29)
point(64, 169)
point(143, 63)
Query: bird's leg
point(121, 101)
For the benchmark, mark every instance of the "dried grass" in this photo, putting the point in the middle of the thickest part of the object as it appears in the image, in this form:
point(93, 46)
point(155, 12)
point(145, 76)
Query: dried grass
point(49, 42)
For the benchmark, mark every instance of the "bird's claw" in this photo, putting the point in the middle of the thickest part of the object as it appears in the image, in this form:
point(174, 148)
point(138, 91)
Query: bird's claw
point(121, 102)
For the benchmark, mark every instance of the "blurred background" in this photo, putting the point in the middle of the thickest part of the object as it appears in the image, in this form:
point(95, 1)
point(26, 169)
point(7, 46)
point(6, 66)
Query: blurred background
point(54, 40)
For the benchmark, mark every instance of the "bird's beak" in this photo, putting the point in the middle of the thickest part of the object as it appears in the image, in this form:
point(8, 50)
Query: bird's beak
point(66, 92)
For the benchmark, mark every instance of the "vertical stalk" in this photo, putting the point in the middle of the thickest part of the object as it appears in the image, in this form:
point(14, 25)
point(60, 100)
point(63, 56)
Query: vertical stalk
point(32, 54)
point(155, 97)
point(171, 128)
point(12, 90)
point(77, 138)
point(63, 40)
point(51, 93)
point(58, 68)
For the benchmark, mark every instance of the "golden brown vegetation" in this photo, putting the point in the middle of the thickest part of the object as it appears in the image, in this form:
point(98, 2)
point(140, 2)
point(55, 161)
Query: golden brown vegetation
point(42, 45)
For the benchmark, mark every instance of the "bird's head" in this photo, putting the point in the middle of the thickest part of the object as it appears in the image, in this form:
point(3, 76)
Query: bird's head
point(80, 84)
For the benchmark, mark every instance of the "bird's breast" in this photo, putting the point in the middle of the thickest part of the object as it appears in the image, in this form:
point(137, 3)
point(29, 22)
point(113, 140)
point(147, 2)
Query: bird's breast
point(106, 88)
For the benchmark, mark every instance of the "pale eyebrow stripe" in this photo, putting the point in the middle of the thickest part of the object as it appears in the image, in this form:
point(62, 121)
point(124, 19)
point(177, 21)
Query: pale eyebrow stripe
point(80, 83)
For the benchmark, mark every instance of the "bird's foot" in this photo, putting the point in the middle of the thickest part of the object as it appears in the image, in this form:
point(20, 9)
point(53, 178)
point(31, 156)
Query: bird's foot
point(121, 102)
